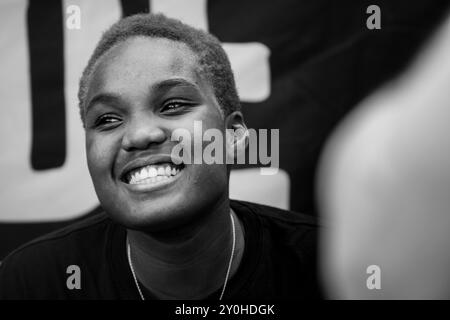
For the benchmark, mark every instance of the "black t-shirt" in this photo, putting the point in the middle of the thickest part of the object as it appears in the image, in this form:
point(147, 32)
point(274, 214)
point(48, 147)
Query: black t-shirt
point(279, 260)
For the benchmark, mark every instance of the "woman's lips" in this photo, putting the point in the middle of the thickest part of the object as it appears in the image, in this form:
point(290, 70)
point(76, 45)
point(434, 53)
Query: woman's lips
point(153, 183)
point(152, 173)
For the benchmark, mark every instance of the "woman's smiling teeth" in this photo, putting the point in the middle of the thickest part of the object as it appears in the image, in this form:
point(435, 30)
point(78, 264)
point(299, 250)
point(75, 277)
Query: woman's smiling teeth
point(152, 173)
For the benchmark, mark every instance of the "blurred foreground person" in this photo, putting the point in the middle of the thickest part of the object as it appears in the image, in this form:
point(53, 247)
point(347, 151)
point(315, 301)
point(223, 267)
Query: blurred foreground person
point(384, 188)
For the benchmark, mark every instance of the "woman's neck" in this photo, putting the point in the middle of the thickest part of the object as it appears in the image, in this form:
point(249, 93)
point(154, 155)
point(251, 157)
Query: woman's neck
point(190, 263)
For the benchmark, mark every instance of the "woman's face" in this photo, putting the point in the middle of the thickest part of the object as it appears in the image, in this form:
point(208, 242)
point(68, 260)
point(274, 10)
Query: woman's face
point(141, 90)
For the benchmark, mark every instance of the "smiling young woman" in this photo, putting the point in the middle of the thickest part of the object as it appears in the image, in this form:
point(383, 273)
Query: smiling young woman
point(169, 230)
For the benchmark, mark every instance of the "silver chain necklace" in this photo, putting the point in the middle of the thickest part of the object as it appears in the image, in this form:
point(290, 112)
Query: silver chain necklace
point(226, 277)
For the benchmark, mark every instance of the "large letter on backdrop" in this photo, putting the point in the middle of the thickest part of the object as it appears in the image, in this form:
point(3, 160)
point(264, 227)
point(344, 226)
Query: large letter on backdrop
point(43, 165)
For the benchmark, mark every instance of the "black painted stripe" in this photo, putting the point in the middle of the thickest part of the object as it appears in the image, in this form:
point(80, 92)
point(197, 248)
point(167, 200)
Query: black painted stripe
point(46, 55)
point(136, 6)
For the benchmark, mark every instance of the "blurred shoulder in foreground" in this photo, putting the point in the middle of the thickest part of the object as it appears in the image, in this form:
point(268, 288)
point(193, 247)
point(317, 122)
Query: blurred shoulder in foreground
point(384, 185)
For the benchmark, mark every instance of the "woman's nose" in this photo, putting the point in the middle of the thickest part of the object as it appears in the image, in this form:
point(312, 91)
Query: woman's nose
point(141, 132)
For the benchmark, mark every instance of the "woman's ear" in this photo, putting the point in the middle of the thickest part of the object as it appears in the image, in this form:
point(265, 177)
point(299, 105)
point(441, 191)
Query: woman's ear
point(236, 135)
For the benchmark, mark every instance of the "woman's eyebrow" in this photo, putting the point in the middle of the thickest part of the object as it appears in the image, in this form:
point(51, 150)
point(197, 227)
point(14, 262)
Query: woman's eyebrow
point(178, 86)
point(103, 98)
point(168, 84)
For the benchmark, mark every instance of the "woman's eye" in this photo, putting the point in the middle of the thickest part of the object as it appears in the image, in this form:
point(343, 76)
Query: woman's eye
point(106, 120)
point(172, 106)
